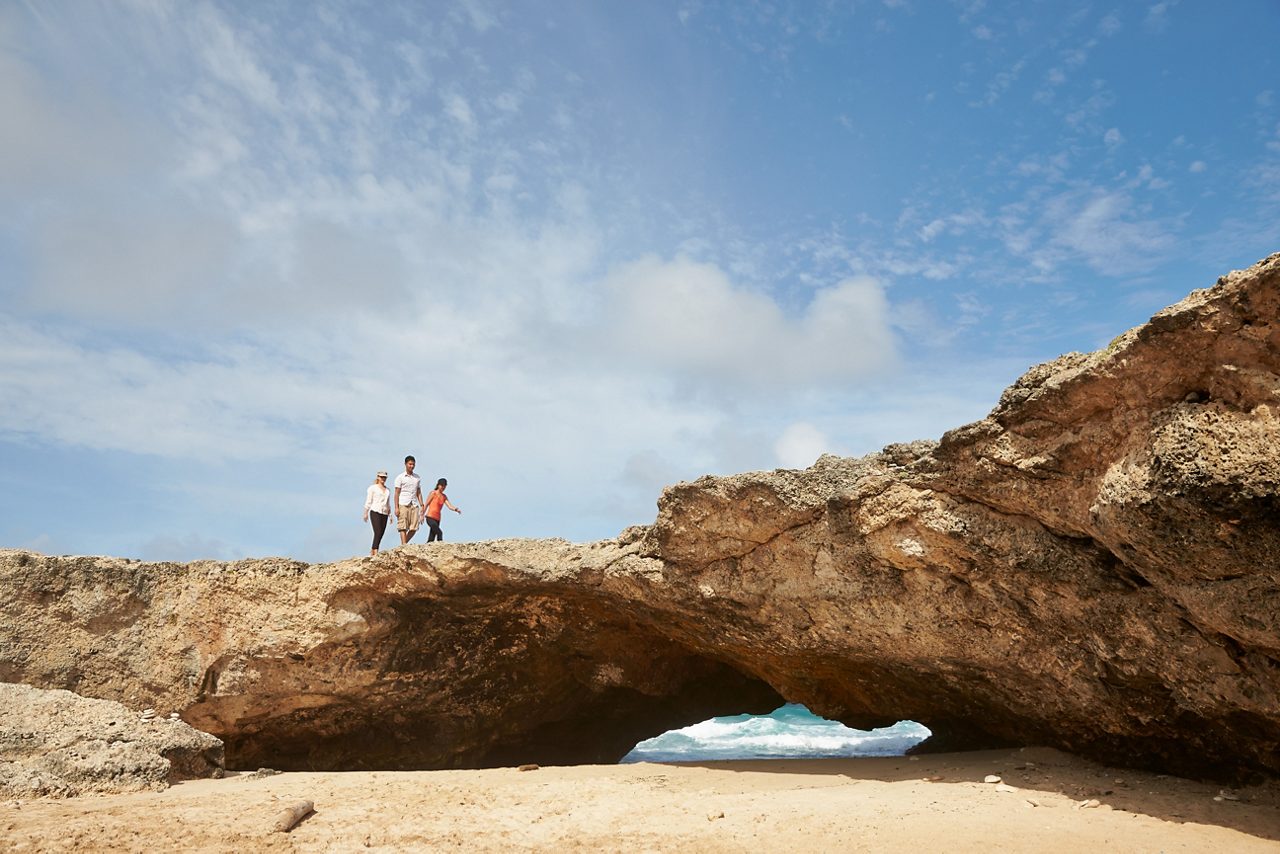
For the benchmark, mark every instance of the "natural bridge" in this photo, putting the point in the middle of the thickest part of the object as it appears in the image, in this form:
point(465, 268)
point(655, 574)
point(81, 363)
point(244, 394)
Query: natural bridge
point(1095, 566)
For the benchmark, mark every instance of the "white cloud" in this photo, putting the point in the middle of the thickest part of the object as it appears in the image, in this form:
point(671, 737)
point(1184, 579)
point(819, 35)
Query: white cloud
point(1086, 114)
point(237, 402)
point(129, 266)
point(1113, 137)
point(460, 111)
point(929, 325)
point(1110, 229)
point(44, 144)
point(1001, 83)
point(1197, 166)
point(957, 223)
point(1103, 229)
point(1157, 19)
point(230, 56)
point(649, 471)
point(689, 322)
point(481, 15)
point(800, 445)
point(932, 229)
point(1078, 56)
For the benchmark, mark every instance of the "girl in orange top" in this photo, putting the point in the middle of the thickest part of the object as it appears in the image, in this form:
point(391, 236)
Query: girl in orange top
point(435, 501)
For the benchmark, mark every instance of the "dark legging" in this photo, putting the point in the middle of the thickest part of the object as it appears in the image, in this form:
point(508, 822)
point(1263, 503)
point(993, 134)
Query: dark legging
point(379, 522)
point(434, 525)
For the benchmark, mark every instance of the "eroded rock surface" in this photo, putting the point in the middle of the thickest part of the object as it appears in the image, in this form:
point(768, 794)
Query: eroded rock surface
point(58, 743)
point(1095, 566)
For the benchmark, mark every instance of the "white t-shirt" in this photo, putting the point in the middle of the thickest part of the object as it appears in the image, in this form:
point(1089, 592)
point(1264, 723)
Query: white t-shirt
point(378, 499)
point(408, 486)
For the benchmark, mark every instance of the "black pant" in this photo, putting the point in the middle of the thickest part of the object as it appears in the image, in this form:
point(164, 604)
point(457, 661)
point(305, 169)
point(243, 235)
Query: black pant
point(434, 525)
point(379, 522)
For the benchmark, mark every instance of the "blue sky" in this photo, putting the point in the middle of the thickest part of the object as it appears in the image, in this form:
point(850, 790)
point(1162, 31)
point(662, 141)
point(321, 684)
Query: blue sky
point(567, 253)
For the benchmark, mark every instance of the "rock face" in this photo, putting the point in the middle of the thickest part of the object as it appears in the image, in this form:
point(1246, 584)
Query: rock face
point(1095, 566)
point(59, 743)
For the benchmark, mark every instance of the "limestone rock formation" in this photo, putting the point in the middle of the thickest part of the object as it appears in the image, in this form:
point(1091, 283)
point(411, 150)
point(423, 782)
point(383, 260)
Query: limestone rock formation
point(59, 743)
point(1095, 566)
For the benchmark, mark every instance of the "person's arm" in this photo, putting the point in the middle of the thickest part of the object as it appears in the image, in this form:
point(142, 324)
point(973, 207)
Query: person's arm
point(449, 504)
point(421, 503)
point(395, 505)
point(368, 502)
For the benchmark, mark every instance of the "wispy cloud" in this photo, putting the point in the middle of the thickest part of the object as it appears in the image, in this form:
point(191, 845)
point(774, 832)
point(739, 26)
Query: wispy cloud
point(1103, 228)
point(957, 223)
point(229, 56)
point(1157, 18)
point(1086, 113)
point(1000, 84)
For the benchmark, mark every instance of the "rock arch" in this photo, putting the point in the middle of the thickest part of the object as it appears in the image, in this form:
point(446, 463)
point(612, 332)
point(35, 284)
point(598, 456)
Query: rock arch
point(1092, 567)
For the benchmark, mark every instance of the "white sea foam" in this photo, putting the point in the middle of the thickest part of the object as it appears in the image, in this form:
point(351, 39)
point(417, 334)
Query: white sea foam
point(791, 731)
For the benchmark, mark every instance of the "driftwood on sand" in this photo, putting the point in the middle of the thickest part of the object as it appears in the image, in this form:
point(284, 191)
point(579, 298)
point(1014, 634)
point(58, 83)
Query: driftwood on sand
point(287, 818)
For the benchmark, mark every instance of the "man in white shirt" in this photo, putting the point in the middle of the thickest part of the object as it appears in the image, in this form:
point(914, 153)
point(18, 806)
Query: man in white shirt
point(408, 503)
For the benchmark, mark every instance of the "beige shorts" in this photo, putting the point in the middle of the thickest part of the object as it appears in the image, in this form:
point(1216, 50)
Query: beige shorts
point(410, 517)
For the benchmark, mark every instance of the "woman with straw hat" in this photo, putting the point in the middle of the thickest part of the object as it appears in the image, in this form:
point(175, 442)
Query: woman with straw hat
point(377, 506)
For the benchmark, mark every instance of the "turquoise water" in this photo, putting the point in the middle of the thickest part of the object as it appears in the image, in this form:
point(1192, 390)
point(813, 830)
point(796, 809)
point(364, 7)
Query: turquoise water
point(789, 732)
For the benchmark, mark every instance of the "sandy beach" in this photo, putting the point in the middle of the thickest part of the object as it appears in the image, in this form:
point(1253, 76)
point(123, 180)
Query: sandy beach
point(1045, 803)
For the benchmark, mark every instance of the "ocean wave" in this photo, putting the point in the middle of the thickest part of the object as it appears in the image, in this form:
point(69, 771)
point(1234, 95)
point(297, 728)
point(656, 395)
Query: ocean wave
point(790, 732)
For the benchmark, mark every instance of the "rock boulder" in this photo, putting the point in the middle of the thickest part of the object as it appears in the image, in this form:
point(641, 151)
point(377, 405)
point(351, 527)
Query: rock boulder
point(58, 743)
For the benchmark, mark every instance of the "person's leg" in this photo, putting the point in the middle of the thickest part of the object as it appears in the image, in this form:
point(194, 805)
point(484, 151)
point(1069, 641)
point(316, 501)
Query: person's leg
point(435, 534)
point(379, 522)
point(402, 523)
point(412, 527)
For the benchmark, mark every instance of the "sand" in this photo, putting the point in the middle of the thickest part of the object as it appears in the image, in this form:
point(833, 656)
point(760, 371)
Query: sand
point(933, 803)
